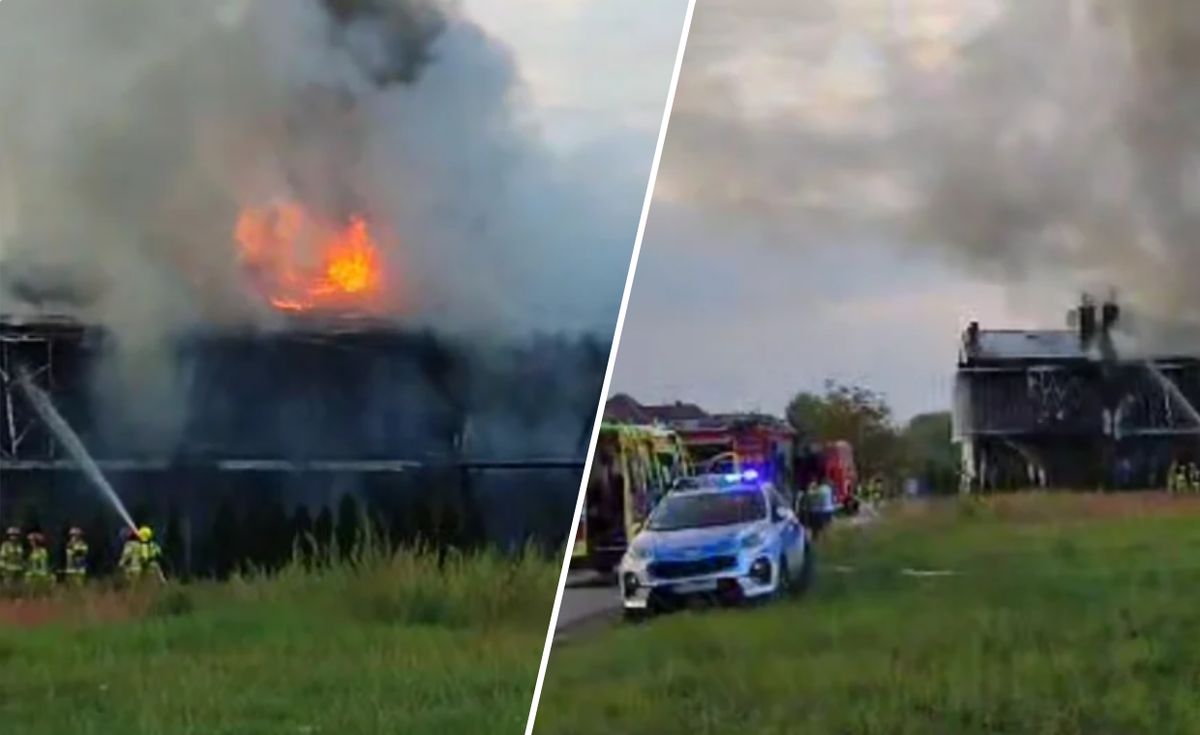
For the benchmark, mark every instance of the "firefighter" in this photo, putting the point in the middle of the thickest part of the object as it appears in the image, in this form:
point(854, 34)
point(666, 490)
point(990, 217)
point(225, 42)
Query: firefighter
point(1172, 485)
point(821, 507)
point(131, 557)
point(76, 556)
point(12, 558)
point(150, 553)
point(37, 573)
point(877, 489)
point(804, 503)
point(1181, 479)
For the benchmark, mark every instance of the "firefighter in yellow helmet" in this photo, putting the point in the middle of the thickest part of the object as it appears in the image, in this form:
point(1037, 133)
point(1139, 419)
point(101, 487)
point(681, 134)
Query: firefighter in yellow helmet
point(151, 553)
point(37, 573)
point(76, 556)
point(12, 559)
point(131, 557)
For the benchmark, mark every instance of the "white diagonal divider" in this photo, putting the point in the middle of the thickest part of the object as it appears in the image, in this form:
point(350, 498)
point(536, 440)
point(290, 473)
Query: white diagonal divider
point(612, 361)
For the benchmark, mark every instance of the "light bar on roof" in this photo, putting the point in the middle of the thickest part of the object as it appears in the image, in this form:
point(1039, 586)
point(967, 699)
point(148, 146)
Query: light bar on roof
point(747, 476)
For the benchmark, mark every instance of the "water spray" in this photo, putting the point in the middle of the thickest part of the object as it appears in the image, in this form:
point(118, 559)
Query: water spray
point(70, 440)
point(1174, 392)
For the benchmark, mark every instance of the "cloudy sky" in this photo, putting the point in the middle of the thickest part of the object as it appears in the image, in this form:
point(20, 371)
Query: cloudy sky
point(596, 69)
point(845, 185)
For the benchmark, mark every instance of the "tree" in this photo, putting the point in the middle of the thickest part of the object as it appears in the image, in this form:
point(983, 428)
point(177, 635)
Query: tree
point(854, 414)
point(173, 544)
point(225, 540)
point(931, 455)
point(349, 525)
point(300, 529)
point(323, 533)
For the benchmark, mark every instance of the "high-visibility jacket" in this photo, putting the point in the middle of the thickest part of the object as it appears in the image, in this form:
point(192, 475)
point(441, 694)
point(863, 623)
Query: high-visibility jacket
point(77, 554)
point(131, 559)
point(39, 565)
point(12, 559)
point(151, 556)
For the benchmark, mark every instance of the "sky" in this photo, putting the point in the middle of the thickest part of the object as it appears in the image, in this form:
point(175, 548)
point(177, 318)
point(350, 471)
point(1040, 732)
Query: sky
point(597, 70)
point(846, 185)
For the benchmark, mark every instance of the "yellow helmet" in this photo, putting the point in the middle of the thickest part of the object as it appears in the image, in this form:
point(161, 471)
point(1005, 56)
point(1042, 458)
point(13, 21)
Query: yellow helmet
point(145, 534)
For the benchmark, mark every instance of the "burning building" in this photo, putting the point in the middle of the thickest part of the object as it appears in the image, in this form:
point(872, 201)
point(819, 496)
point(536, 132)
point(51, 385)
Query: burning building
point(1070, 408)
point(299, 417)
point(316, 392)
point(264, 257)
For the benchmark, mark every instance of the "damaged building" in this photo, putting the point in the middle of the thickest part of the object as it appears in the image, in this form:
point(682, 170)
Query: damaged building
point(1064, 409)
point(296, 418)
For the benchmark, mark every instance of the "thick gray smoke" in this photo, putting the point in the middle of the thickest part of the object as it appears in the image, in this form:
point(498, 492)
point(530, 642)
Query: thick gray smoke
point(136, 131)
point(1032, 141)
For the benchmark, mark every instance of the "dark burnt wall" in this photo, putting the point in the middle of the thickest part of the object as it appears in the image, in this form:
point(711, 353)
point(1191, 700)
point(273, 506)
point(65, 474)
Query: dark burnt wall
point(370, 394)
point(310, 394)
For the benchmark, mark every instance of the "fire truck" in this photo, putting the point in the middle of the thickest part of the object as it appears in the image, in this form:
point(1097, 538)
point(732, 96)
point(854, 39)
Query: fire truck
point(831, 462)
point(632, 468)
point(733, 443)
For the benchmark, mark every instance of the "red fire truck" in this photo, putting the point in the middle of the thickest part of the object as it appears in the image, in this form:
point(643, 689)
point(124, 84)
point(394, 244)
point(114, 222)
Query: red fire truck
point(831, 462)
point(737, 442)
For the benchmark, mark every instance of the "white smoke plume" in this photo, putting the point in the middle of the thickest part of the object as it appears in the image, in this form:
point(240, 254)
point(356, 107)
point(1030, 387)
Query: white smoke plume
point(135, 131)
point(1055, 143)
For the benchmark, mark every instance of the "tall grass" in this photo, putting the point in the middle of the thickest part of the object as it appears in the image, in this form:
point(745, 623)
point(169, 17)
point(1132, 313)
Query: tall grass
point(376, 640)
point(1069, 616)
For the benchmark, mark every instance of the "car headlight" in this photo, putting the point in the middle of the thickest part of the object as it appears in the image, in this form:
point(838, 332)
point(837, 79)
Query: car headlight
point(639, 551)
point(752, 540)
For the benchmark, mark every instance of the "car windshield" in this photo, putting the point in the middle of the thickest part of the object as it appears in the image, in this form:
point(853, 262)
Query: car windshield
point(702, 510)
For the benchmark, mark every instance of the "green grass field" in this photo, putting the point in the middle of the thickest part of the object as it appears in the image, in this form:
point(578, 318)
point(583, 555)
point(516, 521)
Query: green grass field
point(1069, 614)
point(396, 646)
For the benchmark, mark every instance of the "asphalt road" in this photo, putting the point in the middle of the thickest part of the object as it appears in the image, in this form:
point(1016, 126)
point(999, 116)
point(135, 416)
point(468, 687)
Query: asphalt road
point(588, 601)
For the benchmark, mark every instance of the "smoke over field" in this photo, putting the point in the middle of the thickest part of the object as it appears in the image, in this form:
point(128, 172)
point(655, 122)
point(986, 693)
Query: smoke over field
point(168, 162)
point(1029, 142)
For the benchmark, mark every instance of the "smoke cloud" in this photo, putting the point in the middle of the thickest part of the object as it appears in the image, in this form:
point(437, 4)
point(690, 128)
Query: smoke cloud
point(136, 131)
point(1031, 142)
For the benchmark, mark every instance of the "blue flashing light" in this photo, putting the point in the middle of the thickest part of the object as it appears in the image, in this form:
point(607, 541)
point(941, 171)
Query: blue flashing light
point(747, 476)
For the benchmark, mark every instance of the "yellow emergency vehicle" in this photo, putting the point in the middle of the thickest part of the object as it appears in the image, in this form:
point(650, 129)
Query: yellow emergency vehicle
point(633, 467)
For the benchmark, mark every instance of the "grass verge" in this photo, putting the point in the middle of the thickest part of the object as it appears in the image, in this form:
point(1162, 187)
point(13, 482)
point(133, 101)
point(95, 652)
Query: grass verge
point(1068, 615)
point(385, 644)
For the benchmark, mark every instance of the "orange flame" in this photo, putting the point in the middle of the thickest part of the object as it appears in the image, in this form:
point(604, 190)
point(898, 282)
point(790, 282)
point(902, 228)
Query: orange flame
point(302, 264)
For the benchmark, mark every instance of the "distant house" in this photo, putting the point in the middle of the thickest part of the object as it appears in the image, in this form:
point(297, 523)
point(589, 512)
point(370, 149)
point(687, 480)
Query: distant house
point(624, 408)
point(1062, 408)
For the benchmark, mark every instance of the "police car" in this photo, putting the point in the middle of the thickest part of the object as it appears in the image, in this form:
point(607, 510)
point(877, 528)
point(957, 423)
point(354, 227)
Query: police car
point(727, 539)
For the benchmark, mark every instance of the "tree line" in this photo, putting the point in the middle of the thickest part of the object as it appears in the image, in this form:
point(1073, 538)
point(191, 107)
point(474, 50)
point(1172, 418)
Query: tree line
point(919, 449)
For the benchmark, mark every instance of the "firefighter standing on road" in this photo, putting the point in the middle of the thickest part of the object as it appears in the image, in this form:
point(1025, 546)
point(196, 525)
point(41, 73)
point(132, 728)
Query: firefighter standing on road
point(76, 557)
point(12, 559)
point(38, 573)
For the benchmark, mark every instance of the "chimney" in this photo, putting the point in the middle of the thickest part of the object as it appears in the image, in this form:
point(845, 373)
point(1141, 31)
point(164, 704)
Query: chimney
point(1087, 320)
point(1110, 314)
point(973, 335)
